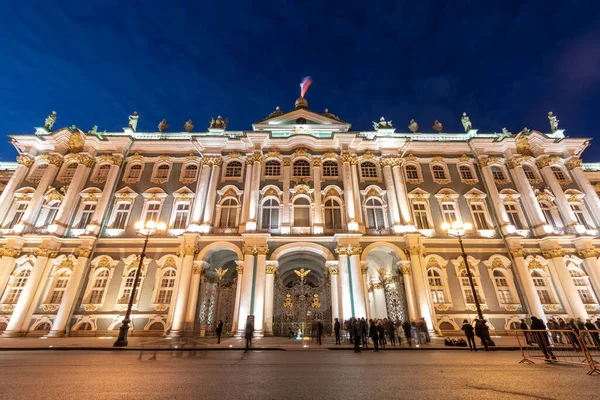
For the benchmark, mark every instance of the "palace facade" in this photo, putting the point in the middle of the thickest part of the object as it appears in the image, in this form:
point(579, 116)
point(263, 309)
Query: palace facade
point(295, 220)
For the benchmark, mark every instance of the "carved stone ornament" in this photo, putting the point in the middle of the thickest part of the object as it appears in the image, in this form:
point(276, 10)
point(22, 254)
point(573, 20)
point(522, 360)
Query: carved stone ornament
point(212, 161)
point(83, 252)
point(333, 271)
point(255, 250)
point(349, 158)
point(464, 158)
point(348, 250)
point(511, 307)
point(372, 192)
point(50, 120)
point(516, 161)
point(316, 162)
point(136, 157)
point(287, 162)
point(188, 126)
point(331, 192)
point(55, 160)
point(588, 253)
point(364, 269)
point(76, 141)
point(521, 252)
point(86, 160)
point(432, 262)
point(301, 152)
point(329, 154)
point(190, 250)
point(163, 126)
point(7, 307)
point(405, 270)
point(554, 253)
point(591, 307)
point(442, 307)
point(390, 161)
point(551, 307)
point(240, 269)
point(497, 263)
point(547, 161)
point(198, 269)
point(170, 263)
point(535, 264)
point(254, 158)
point(270, 269)
point(413, 126)
point(219, 123)
point(523, 147)
point(10, 252)
point(104, 262)
point(271, 192)
point(49, 307)
point(90, 307)
point(466, 122)
point(437, 126)
point(161, 307)
point(576, 163)
point(43, 252)
point(25, 160)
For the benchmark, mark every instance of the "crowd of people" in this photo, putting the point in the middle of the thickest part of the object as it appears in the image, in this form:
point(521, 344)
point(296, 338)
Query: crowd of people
point(480, 329)
point(572, 326)
point(381, 332)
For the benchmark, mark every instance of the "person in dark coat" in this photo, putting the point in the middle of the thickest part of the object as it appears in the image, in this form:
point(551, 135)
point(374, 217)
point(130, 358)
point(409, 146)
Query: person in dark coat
point(542, 337)
point(319, 332)
point(355, 326)
point(219, 330)
point(374, 334)
point(407, 328)
point(524, 327)
point(481, 330)
point(364, 330)
point(249, 334)
point(381, 334)
point(336, 330)
point(469, 331)
point(392, 333)
point(589, 325)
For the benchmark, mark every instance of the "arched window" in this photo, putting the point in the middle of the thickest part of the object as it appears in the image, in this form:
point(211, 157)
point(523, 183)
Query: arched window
point(302, 212)
point(559, 174)
point(233, 169)
point(270, 214)
point(59, 287)
point(582, 285)
point(37, 173)
point(69, 171)
point(529, 174)
point(375, 214)
point(102, 173)
point(540, 286)
point(135, 171)
point(466, 173)
point(128, 287)
point(191, 172)
point(48, 213)
point(330, 169)
point(99, 287)
point(497, 173)
point(17, 287)
point(272, 168)
point(411, 172)
point(548, 214)
point(162, 172)
point(502, 288)
point(301, 168)
point(333, 215)
point(229, 209)
point(436, 286)
point(368, 170)
point(165, 290)
point(438, 172)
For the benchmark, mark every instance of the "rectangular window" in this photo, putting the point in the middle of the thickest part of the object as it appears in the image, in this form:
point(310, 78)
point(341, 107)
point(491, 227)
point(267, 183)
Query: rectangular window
point(13, 296)
point(122, 215)
point(437, 296)
point(152, 212)
point(420, 215)
point(513, 216)
point(479, 216)
point(504, 296)
point(20, 210)
point(578, 211)
point(449, 212)
point(544, 296)
point(86, 215)
point(586, 296)
point(182, 215)
point(469, 298)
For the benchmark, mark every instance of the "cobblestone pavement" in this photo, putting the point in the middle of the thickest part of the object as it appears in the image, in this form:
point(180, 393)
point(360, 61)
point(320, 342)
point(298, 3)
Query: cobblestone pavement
point(286, 375)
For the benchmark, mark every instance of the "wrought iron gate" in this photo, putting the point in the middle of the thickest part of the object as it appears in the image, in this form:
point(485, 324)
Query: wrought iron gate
point(298, 306)
point(395, 300)
point(209, 314)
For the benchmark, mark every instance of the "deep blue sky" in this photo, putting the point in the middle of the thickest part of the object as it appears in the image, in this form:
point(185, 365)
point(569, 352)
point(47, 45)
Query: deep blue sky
point(507, 63)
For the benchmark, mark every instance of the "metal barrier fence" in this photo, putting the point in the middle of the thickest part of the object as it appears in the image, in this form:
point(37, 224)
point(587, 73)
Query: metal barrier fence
point(560, 346)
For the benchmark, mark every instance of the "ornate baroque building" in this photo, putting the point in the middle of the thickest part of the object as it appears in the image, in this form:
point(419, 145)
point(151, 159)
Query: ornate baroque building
point(295, 220)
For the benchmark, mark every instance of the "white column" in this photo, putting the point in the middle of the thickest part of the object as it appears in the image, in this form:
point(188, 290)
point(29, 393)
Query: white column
point(390, 190)
point(318, 218)
point(68, 300)
point(358, 294)
point(269, 296)
point(364, 269)
point(410, 291)
point(566, 282)
point(192, 302)
point(17, 178)
point(356, 193)
point(531, 296)
point(238, 294)
point(333, 285)
point(346, 307)
point(405, 214)
point(252, 223)
point(380, 303)
point(259, 294)
point(420, 284)
point(591, 197)
point(105, 197)
point(530, 202)
point(246, 292)
point(349, 193)
point(39, 276)
point(590, 261)
point(69, 202)
point(285, 214)
point(31, 213)
point(211, 197)
point(7, 265)
point(246, 195)
point(201, 188)
point(183, 289)
point(494, 195)
point(561, 200)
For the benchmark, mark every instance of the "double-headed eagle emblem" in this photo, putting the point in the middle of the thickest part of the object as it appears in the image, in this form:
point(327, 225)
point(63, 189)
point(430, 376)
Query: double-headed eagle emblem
point(302, 273)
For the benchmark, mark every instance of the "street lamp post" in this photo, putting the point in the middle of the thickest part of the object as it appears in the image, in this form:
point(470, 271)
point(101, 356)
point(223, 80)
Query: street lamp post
point(150, 228)
point(459, 230)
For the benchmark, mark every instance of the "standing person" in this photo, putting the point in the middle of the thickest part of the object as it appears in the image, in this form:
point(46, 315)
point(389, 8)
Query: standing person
point(374, 334)
point(481, 332)
point(407, 332)
point(467, 328)
point(590, 326)
point(392, 332)
point(319, 331)
point(424, 329)
point(381, 333)
point(349, 327)
point(414, 332)
point(336, 330)
point(219, 330)
point(355, 333)
point(364, 330)
point(249, 334)
point(542, 337)
point(524, 327)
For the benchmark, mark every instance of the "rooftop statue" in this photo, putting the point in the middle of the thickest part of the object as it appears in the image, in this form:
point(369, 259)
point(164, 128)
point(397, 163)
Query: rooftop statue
point(133, 121)
point(382, 124)
point(275, 113)
point(327, 114)
point(188, 126)
point(220, 123)
point(506, 132)
point(413, 126)
point(525, 131)
point(163, 125)
point(466, 121)
point(437, 126)
point(553, 122)
point(50, 120)
point(94, 130)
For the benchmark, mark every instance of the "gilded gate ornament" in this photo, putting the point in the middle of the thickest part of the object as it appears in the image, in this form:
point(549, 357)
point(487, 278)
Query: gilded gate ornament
point(287, 302)
point(302, 273)
point(316, 303)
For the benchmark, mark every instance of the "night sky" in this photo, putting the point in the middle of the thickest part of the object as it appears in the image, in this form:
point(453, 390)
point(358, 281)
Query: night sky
point(506, 64)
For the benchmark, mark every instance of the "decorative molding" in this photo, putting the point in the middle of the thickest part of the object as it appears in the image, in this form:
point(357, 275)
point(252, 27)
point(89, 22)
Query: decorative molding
point(534, 264)
point(86, 160)
point(349, 158)
point(198, 269)
point(442, 307)
point(287, 162)
point(49, 307)
point(213, 161)
point(405, 270)
point(410, 157)
point(43, 252)
point(190, 250)
point(161, 307)
point(329, 154)
point(588, 253)
point(487, 161)
point(551, 307)
point(83, 252)
point(105, 263)
point(255, 250)
point(25, 160)
point(520, 252)
point(240, 269)
point(464, 158)
point(348, 250)
point(90, 307)
point(575, 163)
point(7, 307)
point(368, 155)
point(55, 160)
point(364, 269)
point(270, 269)
point(10, 252)
point(554, 253)
point(256, 157)
point(547, 161)
point(333, 271)
point(301, 152)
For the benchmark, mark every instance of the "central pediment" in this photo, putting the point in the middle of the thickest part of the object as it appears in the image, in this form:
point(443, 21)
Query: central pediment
point(301, 118)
